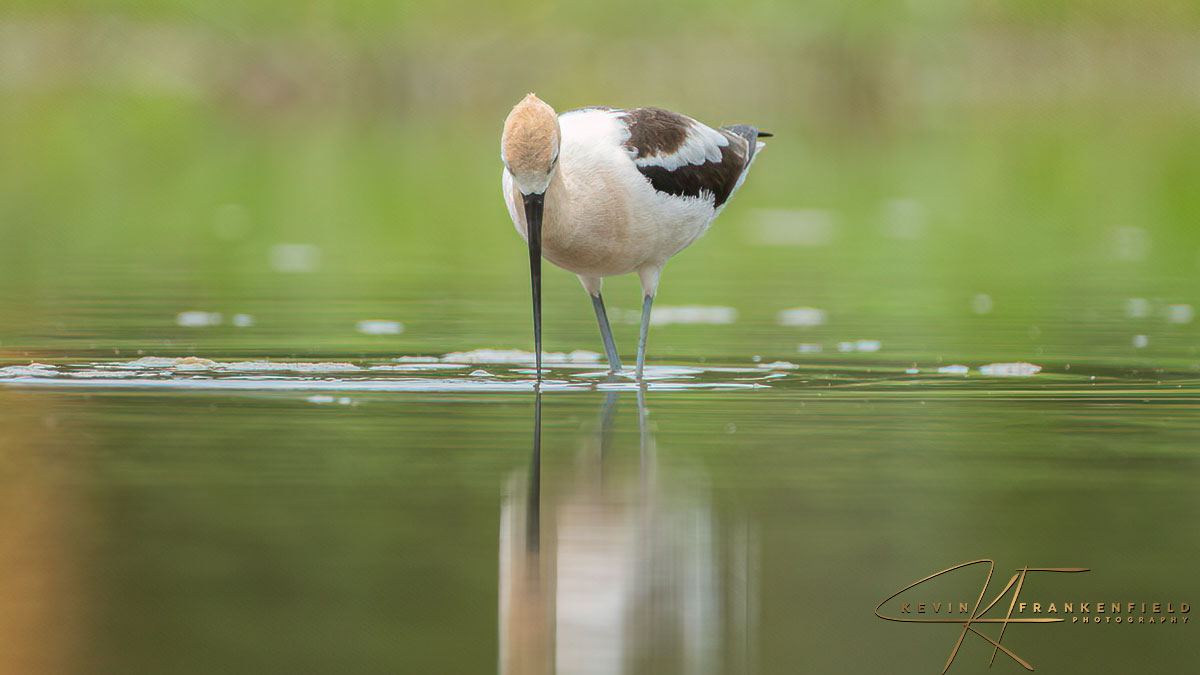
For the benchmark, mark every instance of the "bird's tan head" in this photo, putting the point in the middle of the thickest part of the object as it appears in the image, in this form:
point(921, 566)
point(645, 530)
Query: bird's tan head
point(529, 145)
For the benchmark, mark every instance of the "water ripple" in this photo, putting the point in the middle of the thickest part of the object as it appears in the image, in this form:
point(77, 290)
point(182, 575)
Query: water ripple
point(511, 371)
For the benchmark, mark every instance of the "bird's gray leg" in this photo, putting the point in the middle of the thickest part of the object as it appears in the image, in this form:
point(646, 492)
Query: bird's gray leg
point(610, 347)
point(641, 354)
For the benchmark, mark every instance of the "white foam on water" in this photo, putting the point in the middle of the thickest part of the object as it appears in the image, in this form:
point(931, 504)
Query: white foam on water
point(31, 370)
point(325, 398)
point(689, 314)
point(521, 356)
point(289, 366)
point(93, 373)
point(676, 386)
point(160, 362)
point(860, 346)
point(801, 317)
point(955, 369)
point(418, 366)
point(294, 258)
point(198, 319)
point(982, 304)
point(285, 384)
point(194, 363)
point(1137, 308)
point(1021, 369)
point(650, 373)
point(379, 327)
point(325, 377)
point(1179, 313)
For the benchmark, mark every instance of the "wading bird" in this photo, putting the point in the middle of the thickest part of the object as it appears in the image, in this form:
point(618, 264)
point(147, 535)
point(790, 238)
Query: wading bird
point(601, 191)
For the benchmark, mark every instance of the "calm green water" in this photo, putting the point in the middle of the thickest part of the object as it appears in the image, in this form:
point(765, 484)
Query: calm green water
point(354, 512)
point(950, 316)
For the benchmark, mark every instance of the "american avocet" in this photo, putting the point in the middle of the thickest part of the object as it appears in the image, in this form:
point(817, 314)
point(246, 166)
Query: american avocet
point(601, 191)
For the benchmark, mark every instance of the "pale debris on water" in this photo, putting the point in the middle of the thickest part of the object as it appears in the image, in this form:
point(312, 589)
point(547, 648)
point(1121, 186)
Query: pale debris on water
point(325, 398)
point(198, 319)
point(243, 320)
point(31, 370)
point(166, 362)
point(418, 366)
point(294, 257)
point(982, 303)
point(1141, 341)
point(1020, 369)
point(292, 366)
point(196, 363)
point(520, 356)
point(1179, 313)
point(860, 346)
point(779, 365)
point(661, 315)
point(955, 369)
point(668, 314)
point(803, 317)
point(1137, 308)
point(808, 348)
point(379, 327)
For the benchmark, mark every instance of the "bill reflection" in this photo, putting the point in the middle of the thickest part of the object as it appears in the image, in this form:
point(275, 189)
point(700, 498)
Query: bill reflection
point(612, 564)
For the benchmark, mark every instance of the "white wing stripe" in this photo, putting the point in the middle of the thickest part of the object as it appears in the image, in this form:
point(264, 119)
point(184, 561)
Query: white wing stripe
point(703, 145)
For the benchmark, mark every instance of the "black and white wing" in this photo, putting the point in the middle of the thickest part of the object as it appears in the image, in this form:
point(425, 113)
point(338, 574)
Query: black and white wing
point(682, 157)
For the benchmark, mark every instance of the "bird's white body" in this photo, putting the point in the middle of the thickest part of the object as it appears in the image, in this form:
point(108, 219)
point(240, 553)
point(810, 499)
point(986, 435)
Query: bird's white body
point(611, 192)
point(602, 217)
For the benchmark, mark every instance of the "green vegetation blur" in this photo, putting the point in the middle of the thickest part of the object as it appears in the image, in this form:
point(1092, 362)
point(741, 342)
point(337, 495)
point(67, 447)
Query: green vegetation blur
point(924, 151)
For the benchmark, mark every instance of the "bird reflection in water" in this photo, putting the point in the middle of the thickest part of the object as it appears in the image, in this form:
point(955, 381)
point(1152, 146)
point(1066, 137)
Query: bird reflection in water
point(613, 567)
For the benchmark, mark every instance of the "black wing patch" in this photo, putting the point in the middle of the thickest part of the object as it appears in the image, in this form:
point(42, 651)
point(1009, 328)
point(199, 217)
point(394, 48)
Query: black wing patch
point(695, 180)
point(682, 157)
point(654, 131)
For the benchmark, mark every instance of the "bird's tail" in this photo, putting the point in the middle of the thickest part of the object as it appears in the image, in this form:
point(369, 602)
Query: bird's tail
point(750, 133)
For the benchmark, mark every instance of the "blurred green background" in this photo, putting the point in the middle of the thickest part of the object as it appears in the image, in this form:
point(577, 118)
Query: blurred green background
point(950, 181)
point(154, 157)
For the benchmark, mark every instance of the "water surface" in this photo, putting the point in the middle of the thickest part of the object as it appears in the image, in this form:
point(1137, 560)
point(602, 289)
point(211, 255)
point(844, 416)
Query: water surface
point(206, 506)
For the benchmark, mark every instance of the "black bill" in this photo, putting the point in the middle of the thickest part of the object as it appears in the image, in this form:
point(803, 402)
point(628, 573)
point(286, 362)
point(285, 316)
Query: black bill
point(533, 220)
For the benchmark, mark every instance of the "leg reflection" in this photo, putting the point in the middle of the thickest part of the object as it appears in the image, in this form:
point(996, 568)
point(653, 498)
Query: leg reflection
point(611, 566)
